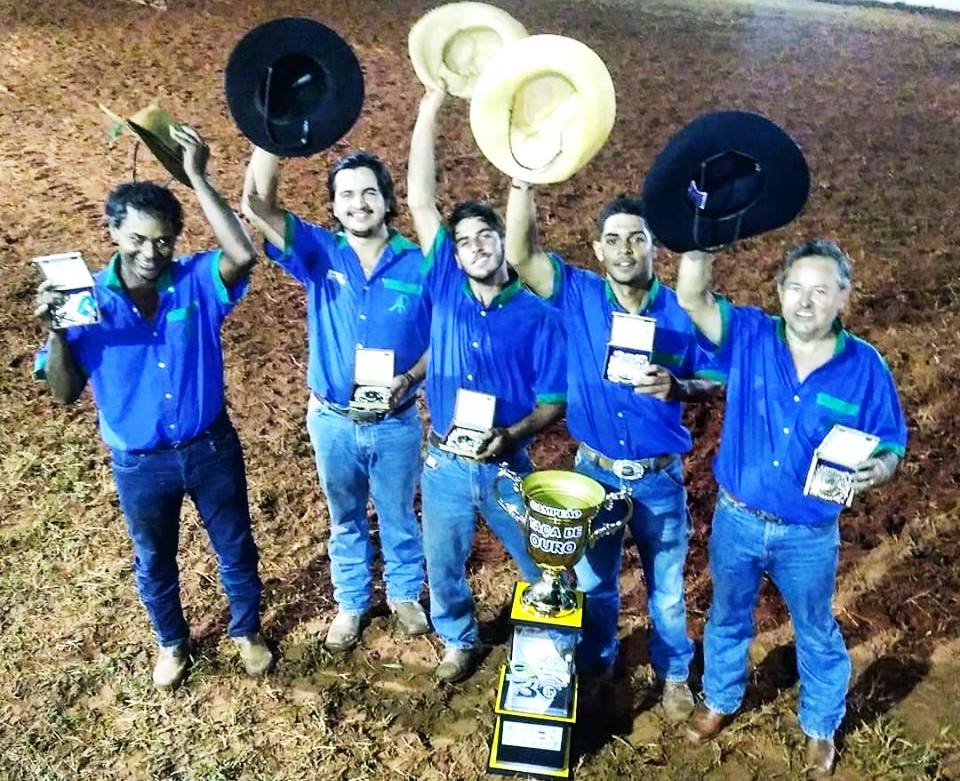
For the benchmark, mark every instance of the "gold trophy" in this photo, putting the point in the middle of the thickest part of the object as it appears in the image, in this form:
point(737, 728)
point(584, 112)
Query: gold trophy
point(560, 508)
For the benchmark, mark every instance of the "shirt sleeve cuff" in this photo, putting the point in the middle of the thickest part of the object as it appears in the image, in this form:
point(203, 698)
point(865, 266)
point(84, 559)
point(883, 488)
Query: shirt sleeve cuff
point(282, 254)
point(225, 295)
point(551, 398)
point(725, 315)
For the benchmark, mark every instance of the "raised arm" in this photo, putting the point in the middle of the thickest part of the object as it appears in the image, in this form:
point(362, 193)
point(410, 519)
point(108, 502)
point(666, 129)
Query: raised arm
point(422, 170)
point(695, 293)
point(62, 372)
point(259, 202)
point(238, 254)
point(522, 244)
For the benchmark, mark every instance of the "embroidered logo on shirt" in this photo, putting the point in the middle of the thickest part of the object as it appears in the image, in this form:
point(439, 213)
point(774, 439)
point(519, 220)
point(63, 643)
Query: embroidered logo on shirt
point(337, 276)
point(400, 304)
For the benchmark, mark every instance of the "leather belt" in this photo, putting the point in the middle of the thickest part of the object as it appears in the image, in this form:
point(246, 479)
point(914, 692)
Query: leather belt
point(625, 468)
point(366, 416)
point(762, 515)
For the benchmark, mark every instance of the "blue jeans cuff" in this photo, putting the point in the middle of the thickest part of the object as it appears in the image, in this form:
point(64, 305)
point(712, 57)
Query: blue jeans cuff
point(460, 646)
point(817, 734)
point(716, 709)
point(410, 598)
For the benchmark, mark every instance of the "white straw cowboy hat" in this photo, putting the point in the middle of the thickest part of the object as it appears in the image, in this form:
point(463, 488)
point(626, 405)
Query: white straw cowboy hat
point(151, 125)
point(451, 45)
point(543, 108)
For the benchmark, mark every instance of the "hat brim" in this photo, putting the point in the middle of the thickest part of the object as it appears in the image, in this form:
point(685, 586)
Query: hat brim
point(451, 45)
point(509, 96)
point(671, 213)
point(321, 124)
point(171, 159)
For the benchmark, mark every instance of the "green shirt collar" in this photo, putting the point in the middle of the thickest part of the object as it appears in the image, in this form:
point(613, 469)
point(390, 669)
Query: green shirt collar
point(395, 241)
point(652, 293)
point(514, 286)
point(113, 281)
point(838, 329)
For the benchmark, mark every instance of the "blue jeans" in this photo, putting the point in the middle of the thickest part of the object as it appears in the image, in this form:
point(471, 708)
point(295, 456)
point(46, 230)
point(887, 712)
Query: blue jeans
point(381, 461)
point(802, 563)
point(660, 528)
point(151, 486)
point(453, 490)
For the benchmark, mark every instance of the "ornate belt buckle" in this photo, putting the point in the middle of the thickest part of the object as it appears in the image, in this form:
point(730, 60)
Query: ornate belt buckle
point(628, 470)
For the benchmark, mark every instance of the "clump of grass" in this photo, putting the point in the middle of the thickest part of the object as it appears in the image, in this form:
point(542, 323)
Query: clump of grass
point(882, 749)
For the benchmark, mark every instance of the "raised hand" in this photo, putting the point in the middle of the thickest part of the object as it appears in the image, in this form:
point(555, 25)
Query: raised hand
point(196, 153)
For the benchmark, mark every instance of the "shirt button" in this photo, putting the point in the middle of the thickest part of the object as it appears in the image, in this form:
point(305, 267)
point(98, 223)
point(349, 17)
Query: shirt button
point(168, 395)
point(475, 344)
point(776, 463)
point(786, 430)
point(161, 365)
point(619, 414)
point(483, 313)
point(172, 425)
point(621, 442)
point(170, 289)
point(155, 333)
point(796, 398)
point(136, 311)
point(359, 345)
point(469, 376)
point(363, 317)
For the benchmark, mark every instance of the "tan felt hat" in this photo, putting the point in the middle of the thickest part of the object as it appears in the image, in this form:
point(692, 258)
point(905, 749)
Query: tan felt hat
point(152, 126)
point(543, 108)
point(451, 45)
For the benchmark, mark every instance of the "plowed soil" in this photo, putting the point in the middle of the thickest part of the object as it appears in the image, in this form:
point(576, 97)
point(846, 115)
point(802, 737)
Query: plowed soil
point(872, 96)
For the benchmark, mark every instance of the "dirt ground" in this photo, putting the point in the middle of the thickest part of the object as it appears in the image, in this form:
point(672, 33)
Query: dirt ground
point(872, 96)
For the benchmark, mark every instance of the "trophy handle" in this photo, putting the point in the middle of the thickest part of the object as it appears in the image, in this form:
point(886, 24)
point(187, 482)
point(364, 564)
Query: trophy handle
point(506, 471)
point(614, 526)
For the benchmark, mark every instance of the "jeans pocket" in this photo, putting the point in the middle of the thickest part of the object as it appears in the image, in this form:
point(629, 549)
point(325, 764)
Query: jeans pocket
point(126, 462)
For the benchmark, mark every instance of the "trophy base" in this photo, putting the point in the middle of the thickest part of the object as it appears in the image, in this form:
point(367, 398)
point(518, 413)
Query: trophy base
point(551, 596)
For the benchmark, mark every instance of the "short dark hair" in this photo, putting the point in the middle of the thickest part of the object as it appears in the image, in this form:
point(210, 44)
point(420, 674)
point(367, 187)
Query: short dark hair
point(819, 248)
point(623, 204)
point(467, 209)
point(148, 197)
point(375, 164)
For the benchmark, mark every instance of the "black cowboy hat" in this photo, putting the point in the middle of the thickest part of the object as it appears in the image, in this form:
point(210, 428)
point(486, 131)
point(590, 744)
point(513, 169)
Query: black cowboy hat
point(294, 86)
point(725, 176)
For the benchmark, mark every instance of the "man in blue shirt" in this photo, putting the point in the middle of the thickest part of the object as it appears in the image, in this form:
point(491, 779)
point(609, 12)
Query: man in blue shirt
point(790, 380)
point(155, 364)
point(365, 289)
point(491, 336)
point(631, 434)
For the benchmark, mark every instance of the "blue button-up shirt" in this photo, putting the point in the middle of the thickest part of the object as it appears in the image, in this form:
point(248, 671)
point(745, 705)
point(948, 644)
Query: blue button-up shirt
point(774, 422)
point(514, 349)
point(156, 382)
point(346, 310)
point(609, 416)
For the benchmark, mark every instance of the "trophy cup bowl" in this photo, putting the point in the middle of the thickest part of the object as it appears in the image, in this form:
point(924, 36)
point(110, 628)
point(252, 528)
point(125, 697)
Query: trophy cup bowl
point(560, 507)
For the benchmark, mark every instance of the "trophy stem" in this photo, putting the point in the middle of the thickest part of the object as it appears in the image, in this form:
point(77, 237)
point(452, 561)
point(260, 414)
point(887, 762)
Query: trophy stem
point(551, 595)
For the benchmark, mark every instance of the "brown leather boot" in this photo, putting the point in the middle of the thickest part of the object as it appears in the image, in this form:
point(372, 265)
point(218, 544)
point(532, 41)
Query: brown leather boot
point(705, 724)
point(821, 755)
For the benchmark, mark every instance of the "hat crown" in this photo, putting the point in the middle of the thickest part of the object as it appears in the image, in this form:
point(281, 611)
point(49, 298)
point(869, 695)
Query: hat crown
point(292, 86)
point(731, 181)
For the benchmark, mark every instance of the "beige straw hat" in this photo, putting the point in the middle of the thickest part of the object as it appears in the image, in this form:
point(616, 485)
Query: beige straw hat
point(543, 108)
point(451, 45)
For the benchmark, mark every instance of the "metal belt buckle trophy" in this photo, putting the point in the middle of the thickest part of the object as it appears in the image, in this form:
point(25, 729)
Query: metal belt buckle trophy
point(559, 510)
